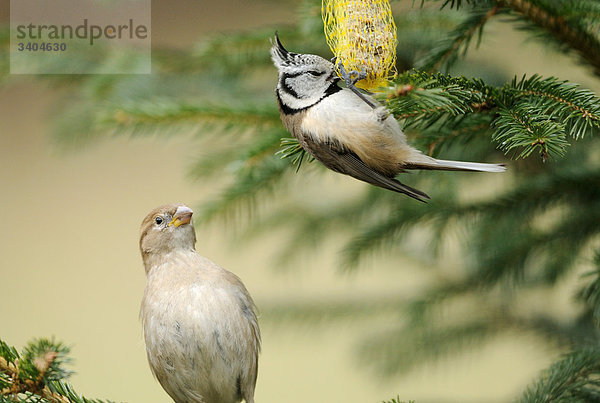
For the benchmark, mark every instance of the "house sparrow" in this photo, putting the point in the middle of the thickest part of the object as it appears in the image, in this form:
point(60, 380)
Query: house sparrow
point(199, 321)
point(350, 134)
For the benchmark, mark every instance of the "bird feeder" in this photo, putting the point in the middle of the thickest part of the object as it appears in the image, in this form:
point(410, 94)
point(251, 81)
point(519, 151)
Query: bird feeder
point(362, 36)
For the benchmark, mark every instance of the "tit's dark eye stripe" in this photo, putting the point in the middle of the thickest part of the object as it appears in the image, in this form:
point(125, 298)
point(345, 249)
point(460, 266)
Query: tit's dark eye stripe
point(316, 73)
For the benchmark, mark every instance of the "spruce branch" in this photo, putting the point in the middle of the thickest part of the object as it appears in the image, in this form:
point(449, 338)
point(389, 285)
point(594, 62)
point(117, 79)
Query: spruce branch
point(249, 182)
point(38, 374)
point(568, 31)
point(397, 400)
point(446, 53)
point(572, 24)
point(576, 107)
point(311, 226)
point(457, 4)
point(572, 379)
point(398, 350)
point(590, 294)
point(461, 129)
point(238, 51)
point(168, 111)
point(529, 114)
point(555, 248)
point(291, 148)
point(517, 129)
point(418, 95)
point(392, 227)
point(330, 311)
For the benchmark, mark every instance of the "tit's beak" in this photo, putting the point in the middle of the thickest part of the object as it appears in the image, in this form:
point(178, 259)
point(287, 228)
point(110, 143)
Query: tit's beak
point(333, 77)
point(182, 216)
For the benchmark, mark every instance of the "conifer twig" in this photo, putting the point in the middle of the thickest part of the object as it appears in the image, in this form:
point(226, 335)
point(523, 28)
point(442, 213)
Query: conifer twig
point(464, 37)
point(36, 374)
point(583, 42)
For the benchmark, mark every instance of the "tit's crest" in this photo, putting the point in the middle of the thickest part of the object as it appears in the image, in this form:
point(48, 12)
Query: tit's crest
point(296, 62)
point(304, 79)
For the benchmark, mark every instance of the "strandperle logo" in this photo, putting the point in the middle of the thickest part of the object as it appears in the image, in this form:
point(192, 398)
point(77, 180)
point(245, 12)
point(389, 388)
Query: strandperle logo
point(92, 32)
point(80, 37)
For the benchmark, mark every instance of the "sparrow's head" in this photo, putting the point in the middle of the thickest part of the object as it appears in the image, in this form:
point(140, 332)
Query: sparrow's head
point(166, 229)
point(303, 79)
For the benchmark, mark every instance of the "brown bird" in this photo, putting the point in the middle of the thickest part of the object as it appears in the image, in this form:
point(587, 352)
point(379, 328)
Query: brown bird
point(200, 327)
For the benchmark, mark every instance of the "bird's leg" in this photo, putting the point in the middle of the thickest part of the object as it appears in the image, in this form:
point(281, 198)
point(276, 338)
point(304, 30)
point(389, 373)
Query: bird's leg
point(351, 79)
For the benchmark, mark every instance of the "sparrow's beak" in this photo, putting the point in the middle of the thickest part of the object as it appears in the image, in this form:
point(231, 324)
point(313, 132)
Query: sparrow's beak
point(182, 216)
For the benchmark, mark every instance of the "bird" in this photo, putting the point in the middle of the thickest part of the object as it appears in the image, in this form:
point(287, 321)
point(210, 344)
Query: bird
point(349, 134)
point(199, 321)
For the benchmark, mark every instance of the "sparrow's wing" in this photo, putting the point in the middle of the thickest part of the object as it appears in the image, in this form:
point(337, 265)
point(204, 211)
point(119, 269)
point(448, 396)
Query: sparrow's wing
point(251, 347)
point(338, 159)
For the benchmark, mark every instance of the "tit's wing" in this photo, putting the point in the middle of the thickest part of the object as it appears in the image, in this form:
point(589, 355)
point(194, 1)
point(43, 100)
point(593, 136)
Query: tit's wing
point(358, 169)
point(338, 159)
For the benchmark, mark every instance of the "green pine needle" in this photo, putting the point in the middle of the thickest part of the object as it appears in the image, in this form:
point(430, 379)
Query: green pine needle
point(291, 149)
point(572, 379)
point(37, 374)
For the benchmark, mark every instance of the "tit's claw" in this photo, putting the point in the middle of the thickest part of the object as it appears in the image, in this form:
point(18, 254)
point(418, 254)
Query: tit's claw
point(345, 76)
point(356, 76)
point(351, 79)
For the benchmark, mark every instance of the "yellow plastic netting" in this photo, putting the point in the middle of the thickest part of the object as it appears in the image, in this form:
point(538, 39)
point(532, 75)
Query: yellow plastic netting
point(362, 34)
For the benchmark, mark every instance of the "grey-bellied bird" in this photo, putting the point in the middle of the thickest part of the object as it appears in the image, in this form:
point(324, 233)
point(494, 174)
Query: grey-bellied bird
point(200, 327)
point(348, 134)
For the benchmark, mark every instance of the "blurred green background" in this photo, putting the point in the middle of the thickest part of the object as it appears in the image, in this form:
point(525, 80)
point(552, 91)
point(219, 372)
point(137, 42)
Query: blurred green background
point(71, 267)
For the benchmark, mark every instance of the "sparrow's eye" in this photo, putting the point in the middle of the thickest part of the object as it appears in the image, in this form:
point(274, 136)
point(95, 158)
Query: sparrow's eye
point(158, 220)
point(316, 73)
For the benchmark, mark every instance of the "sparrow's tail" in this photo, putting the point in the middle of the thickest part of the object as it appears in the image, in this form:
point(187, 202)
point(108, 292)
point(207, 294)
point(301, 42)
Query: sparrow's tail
point(424, 162)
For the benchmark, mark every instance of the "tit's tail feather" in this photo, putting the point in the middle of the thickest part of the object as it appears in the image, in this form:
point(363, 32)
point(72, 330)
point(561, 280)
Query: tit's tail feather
point(445, 165)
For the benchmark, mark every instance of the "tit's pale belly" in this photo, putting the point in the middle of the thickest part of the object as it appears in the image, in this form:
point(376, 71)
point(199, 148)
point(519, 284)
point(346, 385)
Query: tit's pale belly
point(369, 133)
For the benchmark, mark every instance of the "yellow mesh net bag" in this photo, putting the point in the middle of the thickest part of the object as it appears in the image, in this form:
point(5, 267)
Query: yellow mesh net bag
point(362, 35)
